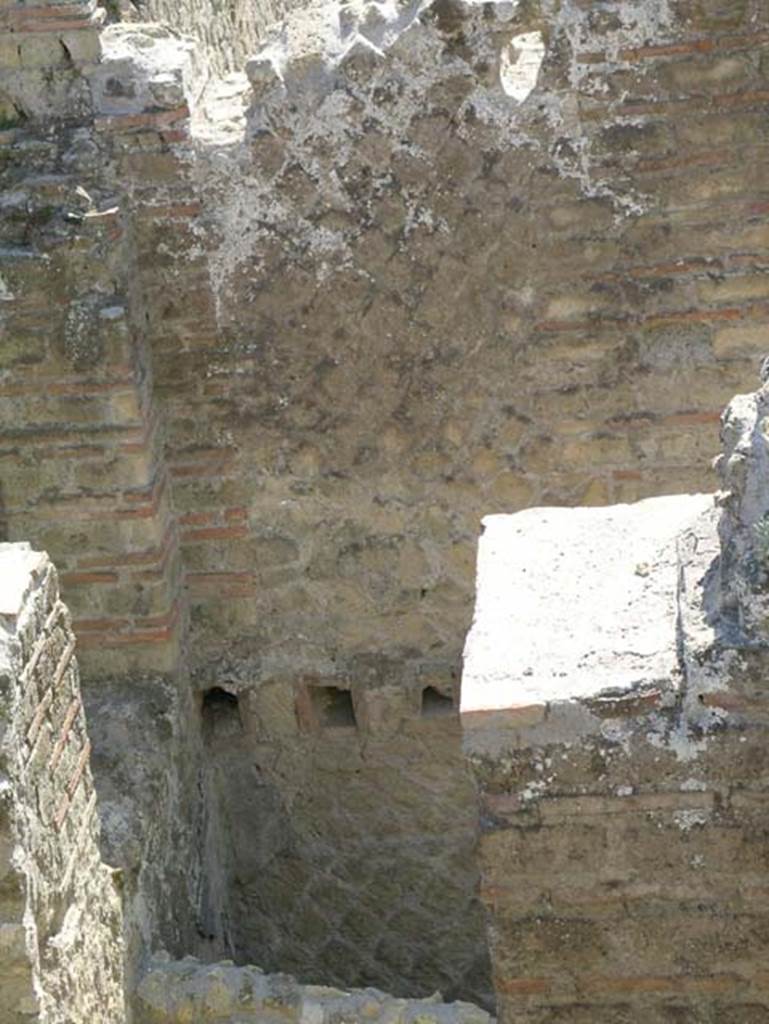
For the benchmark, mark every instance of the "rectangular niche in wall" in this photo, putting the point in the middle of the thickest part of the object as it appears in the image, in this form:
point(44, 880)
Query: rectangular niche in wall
point(332, 707)
point(436, 704)
point(220, 713)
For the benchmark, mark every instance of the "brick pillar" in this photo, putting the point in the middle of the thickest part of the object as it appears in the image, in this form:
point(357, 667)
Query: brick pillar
point(80, 438)
point(61, 954)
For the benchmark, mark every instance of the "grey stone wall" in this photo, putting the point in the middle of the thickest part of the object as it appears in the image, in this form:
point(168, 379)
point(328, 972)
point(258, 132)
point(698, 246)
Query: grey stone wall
point(46, 52)
point(159, 818)
point(61, 951)
point(349, 828)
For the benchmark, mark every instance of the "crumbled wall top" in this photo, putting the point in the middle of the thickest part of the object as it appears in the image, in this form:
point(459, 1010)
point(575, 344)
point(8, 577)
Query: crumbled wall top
point(145, 66)
point(171, 990)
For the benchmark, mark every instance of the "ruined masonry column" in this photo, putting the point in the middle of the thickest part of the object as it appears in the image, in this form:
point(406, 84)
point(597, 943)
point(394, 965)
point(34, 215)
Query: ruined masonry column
point(618, 734)
point(61, 958)
point(82, 471)
point(81, 449)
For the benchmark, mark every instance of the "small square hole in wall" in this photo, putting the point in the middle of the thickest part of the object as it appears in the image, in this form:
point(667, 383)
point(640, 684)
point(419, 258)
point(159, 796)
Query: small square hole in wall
point(332, 706)
point(435, 704)
point(220, 711)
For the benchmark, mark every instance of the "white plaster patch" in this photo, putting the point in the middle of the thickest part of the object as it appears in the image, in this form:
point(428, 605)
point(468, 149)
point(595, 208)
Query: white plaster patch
point(311, 1013)
point(693, 786)
point(689, 819)
point(112, 313)
point(533, 790)
point(519, 65)
point(18, 566)
point(678, 740)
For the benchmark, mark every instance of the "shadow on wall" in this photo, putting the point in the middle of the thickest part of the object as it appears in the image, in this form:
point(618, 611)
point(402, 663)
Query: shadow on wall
point(4, 526)
point(348, 825)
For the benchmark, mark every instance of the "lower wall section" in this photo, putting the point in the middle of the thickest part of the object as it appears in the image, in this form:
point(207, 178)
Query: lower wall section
point(349, 822)
point(627, 885)
point(149, 778)
point(176, 992)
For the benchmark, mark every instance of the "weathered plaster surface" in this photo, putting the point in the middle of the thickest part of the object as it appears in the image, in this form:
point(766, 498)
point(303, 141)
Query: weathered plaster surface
point(572, 603)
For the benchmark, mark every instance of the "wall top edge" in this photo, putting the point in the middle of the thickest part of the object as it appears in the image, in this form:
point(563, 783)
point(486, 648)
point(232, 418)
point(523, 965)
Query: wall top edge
point(20, 568)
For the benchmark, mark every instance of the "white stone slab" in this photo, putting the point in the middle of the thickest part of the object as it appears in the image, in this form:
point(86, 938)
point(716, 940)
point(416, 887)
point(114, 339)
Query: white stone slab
point(18, 563)
point(573, 602)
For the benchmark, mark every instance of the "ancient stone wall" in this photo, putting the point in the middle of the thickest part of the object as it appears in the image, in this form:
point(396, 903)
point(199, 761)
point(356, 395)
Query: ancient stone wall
point(272, 346)
point(61, 949)
point(46, 52)
point(629, 884)
point(83, 471)
point(408, 298)
point(552, 297)
point(399, 299)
